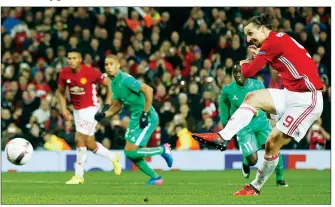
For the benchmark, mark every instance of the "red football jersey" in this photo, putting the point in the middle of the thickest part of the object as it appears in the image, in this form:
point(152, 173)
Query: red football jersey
point(291, 60)
point(82, 85)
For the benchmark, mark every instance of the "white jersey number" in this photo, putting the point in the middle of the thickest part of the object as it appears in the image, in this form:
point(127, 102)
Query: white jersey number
point(280, 34)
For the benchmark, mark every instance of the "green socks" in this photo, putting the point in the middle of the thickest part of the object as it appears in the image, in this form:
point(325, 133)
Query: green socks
point(245, 161)
point(144, 167)
point(137, 156)
point(144, 152)
point(280, 168)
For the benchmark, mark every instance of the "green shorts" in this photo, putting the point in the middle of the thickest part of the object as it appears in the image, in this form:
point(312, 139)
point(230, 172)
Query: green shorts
point(251, 139)
point(138, 136)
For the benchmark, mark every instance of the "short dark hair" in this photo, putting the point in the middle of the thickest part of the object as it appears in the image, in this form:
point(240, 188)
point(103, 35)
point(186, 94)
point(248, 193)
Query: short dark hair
point(264, 19)
point(76, 51)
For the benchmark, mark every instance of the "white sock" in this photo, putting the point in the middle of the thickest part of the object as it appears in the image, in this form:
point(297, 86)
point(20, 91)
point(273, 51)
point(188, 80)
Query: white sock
point(240, 119)
point(81, 159)
point(265, 170)
point(103, 151)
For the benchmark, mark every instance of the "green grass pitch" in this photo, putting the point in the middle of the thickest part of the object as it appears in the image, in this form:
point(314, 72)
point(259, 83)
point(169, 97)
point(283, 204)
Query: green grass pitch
point(180, 187)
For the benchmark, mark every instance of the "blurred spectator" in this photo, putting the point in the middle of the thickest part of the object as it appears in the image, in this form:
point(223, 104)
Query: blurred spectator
point(55, 122)
point(116, 131)
point(42, 114)
point(67, 134)
point(317, 136)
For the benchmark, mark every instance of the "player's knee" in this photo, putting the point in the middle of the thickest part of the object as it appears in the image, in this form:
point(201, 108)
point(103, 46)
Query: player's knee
point(274, 143)
point(91, 145)
point(270, 144)
point(252, 159)
point(130, 147)
point(79, 140)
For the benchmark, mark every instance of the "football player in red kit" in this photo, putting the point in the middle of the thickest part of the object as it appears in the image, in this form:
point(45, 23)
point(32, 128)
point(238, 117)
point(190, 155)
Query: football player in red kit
point(297, 106)
point(82, 82)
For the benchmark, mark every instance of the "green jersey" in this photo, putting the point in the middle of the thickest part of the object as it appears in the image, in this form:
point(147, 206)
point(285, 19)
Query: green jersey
point(126, 89)
point(233, 95)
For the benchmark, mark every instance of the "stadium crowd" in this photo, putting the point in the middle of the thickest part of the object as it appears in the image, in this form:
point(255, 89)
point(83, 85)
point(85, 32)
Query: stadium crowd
point(185, 54)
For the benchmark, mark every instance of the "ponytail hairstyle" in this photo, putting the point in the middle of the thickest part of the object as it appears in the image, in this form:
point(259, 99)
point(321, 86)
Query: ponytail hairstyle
point(264, 19)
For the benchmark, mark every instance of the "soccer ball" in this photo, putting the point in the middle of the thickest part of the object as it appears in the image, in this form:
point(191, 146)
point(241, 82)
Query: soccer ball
point(19, 151)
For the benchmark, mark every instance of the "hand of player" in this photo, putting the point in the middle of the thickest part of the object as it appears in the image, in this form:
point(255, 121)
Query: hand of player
point(100, 116)
point(144, 120)
point(254, 50)
point(244, 61)
point(67, 115)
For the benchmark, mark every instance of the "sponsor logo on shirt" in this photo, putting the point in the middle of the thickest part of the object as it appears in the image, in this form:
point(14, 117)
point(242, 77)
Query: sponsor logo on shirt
point(75, 90)
point(68, 81)
point(235, 97)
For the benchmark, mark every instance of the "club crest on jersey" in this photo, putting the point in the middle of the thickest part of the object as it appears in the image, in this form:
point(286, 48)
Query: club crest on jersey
point(261, 52)
point(83, 81)
point(235, 97)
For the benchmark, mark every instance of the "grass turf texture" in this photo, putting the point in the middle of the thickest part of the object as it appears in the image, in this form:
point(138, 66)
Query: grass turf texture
point(206, 187)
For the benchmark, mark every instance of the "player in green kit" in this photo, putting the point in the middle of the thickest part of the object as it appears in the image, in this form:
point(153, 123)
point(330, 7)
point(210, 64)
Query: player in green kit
point(254, 135)
point(137, 98)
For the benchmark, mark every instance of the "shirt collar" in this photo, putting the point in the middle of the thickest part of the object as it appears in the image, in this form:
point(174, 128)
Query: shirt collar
point(118, 76)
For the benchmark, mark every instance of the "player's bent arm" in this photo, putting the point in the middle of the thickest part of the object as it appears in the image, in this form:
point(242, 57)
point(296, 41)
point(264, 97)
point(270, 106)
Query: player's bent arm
point(108, 99)
point(266, 54)
point(114, 109)
point(61, 97)
point(250, 69)
point(148, 93)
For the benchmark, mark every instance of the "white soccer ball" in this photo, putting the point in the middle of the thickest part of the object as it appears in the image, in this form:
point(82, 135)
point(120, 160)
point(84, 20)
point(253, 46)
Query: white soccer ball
point(19, 151)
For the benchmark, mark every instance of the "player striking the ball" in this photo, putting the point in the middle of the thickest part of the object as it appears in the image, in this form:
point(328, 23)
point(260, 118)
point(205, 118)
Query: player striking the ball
point(297, 106)
point(254, 135)
point(137, 98)
point(82, 82)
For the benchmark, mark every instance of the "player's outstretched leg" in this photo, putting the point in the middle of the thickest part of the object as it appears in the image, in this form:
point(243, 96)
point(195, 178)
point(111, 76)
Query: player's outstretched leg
point(271, 157)
point(78, 178)
point(260, 99)
point(280, 171)
point(99, 149)
point(137, 155)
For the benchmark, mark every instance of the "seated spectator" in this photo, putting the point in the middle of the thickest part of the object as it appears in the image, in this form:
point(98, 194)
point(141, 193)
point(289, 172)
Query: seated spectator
point(317, 136)
point(42, 114)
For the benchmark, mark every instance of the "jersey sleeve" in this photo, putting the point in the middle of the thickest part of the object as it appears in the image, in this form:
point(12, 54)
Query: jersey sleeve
point(131, 83)
point(266, 54)
point(97, 76)
point(61, 80)
point(224, 106)
point(260, 85)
